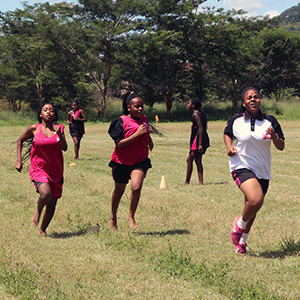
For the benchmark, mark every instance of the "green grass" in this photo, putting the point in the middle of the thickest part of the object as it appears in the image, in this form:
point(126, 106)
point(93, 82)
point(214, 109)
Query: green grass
point(216, 111)
point(181, 249)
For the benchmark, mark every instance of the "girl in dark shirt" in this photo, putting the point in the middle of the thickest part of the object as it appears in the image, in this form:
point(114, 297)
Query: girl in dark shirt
point(199, 140)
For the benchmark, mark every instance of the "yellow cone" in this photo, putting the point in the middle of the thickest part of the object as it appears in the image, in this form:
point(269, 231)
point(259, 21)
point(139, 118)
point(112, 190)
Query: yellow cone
point(163, 183)
point(72, 164)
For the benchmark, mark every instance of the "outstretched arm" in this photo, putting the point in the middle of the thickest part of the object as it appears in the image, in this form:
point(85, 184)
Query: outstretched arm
point(25, 136)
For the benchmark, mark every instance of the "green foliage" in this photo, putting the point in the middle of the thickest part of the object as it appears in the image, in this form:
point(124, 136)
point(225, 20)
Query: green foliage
point(167, 51)
point(35, 67)
point(290, 18)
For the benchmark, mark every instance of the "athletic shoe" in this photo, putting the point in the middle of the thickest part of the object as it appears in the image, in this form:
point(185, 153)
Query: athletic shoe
point(236, 233)
point(241, 248)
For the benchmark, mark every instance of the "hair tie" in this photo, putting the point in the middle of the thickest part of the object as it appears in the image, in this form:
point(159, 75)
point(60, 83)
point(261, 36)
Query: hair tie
point(131, 96)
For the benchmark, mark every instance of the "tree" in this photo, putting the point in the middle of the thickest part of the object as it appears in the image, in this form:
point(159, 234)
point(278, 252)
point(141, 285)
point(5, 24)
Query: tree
point(155, 57)
point(277, 61)
point(43, 71)
point(94, 35)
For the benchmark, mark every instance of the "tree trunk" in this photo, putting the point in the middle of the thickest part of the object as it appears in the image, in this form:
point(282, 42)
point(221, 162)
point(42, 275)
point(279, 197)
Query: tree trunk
point(169, 103)
point(235, 98)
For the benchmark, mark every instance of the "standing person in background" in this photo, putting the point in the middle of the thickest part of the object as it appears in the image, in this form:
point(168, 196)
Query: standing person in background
point(250, 159)
point(76, 119)
point(199, 140)
point(47, 163)
point(129, 160)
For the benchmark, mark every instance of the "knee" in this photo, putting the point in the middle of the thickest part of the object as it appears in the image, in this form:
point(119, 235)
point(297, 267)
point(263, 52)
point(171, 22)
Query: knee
point(45, 195)
point(136, 190)
point(256, 202)
point(189, 160)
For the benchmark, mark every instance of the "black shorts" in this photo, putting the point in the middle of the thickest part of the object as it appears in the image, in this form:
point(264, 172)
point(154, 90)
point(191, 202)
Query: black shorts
point(121, 173)
point(241, 175)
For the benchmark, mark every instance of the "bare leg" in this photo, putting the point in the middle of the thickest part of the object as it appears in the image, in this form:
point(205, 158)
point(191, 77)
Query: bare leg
point(49, 212)
point(254, 199)
point(115, 201)
point(199, 165)
point(76, 141)
point(189, 169)
point(137, 178)
point(45, 195)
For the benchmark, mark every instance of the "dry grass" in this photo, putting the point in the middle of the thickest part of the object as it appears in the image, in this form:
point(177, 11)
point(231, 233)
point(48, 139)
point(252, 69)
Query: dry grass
point(183, 230)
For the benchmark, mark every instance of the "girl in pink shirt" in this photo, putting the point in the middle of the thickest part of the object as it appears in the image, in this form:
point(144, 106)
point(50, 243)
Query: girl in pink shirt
point(76, 119)
point(46, 170)
point(129, 160)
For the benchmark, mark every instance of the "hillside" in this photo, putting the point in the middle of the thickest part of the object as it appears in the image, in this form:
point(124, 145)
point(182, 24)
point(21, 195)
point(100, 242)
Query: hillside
point(290, 18)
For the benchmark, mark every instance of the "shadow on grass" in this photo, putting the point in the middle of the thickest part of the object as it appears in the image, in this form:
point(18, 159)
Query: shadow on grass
point(273, 254)
point(206, 183)
point(65, 235)
point(164, 233)
point(87, 159)
point(216, 183)
point(288, 247)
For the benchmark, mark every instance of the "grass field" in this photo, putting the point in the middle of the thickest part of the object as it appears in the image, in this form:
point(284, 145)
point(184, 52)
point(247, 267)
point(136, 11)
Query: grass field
point(181, 249)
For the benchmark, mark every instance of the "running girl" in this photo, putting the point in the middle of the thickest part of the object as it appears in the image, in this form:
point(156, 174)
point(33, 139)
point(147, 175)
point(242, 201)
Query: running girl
point(129, 160)
point(46, 169)
point(250, 159)
point(76, 119)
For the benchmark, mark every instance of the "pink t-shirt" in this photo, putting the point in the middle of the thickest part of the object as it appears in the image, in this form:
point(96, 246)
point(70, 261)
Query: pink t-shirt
point(136, 151)
point(46, 157)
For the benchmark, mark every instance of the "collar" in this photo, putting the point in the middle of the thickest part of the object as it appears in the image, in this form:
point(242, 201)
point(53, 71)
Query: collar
point(259, 117)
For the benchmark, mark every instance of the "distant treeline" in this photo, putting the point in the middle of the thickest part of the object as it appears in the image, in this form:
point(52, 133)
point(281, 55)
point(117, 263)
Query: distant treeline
point(165, 50)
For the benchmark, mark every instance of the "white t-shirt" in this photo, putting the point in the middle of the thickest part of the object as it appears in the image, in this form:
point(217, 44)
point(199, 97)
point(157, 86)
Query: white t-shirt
point(251, 143)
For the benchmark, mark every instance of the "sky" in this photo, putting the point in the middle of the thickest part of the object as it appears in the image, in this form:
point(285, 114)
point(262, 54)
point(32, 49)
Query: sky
point(254, 8)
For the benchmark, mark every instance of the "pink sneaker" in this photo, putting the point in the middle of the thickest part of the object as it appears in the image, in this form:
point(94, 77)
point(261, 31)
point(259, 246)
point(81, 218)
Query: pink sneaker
point(241, 248)
point(236, 233)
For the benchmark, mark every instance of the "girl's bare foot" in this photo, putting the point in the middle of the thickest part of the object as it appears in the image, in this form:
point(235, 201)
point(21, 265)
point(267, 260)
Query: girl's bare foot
point(113, 224)
point(183, 183)
point(36, 218)
point(42, 232)
point(133, 225)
